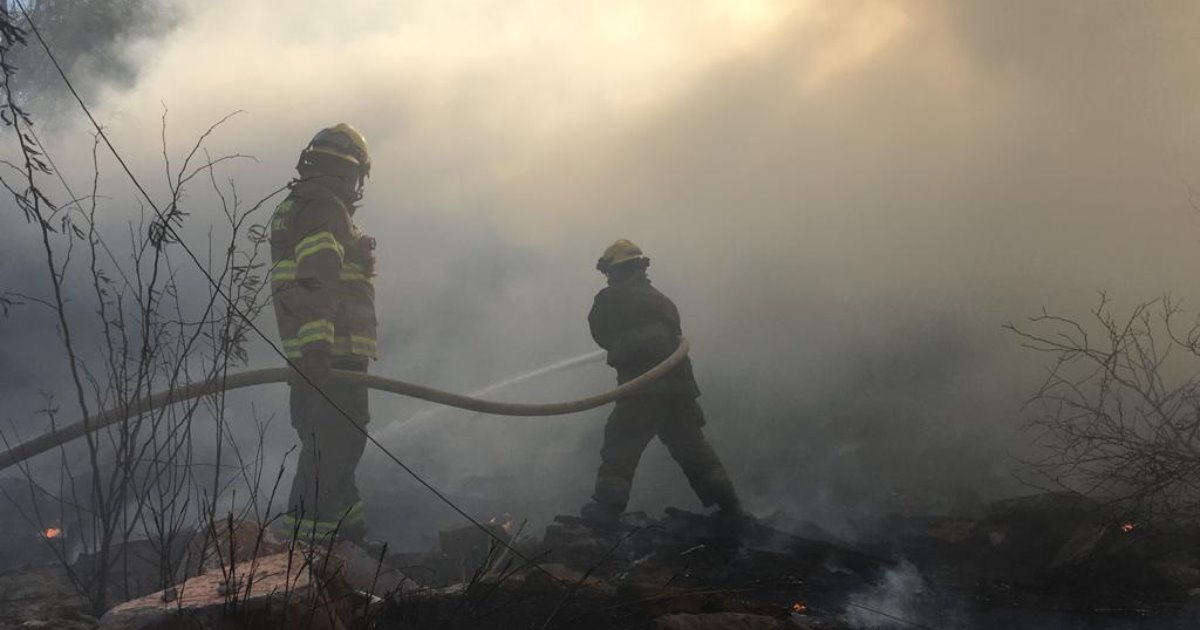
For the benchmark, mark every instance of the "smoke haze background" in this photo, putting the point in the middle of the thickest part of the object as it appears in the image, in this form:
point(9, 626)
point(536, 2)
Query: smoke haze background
point(846, 200)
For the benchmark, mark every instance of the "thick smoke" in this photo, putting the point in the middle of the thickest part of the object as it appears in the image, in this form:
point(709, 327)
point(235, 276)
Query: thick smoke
point(846, 200)
point(96, 41)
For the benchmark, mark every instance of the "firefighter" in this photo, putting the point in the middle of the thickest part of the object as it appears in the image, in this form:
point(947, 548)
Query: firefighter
point(321, 283)
point(639, 327)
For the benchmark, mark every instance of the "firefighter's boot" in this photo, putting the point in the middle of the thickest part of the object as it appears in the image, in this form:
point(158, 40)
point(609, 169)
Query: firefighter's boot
point(730, 520)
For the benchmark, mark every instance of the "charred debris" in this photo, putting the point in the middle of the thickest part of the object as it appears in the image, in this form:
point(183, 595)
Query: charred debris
point(1040, 561)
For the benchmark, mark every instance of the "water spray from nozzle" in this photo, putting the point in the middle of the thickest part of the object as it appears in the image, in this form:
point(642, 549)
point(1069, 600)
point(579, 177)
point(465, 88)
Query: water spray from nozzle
point(431, 411)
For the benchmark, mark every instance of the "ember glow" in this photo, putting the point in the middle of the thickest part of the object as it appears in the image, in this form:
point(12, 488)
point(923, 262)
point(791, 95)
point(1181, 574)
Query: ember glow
point(504, 523)
point(52, 532)
point(1128, 527)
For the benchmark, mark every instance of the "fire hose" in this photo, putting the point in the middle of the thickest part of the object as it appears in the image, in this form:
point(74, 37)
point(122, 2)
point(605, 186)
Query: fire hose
point(230, 382)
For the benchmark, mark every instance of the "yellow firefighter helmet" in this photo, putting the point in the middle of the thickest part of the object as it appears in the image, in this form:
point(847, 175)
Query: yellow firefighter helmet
point(343, 142)
point(621, 251)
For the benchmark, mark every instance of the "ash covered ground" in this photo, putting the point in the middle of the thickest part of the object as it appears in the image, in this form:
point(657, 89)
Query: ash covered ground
point(1039, 561)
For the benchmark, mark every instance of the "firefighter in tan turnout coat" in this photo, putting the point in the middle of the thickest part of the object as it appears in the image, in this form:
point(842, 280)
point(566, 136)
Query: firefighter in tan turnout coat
point(321, 282)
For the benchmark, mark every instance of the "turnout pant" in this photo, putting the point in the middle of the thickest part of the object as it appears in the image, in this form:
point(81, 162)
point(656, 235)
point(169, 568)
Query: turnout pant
point(678, 422)
point(324, 496)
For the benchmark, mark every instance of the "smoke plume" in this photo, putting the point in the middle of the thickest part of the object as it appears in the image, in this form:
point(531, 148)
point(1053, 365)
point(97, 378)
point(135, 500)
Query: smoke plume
point(845, 199)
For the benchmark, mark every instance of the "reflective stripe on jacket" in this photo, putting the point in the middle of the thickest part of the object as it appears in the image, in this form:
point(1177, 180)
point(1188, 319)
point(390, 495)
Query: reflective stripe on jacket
point(320, 276)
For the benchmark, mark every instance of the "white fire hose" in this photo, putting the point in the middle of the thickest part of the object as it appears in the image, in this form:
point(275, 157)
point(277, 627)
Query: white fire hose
point(230, 382)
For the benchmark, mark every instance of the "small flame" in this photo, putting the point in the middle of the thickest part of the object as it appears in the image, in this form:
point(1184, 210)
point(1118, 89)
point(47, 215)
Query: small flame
point(800, 608)
point(505, 523)
point(1128, 527)
point(52, 532)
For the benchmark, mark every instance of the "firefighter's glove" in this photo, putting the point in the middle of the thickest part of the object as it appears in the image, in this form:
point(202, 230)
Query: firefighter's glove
point(315, 366)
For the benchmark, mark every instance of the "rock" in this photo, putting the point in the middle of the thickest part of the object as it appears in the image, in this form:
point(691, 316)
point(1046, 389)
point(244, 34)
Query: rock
point(240, 542)
point(307, 585)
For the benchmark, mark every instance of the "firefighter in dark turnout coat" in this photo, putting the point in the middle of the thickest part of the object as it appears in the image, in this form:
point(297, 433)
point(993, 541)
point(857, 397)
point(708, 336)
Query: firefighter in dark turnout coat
point(639, 327)
point(321, 284)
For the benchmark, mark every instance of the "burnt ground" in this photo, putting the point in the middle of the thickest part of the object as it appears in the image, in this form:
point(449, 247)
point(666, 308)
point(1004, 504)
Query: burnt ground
point(1043, 561)
point(1046, 561)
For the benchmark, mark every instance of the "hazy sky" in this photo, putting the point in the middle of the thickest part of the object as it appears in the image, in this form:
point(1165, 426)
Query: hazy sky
point(846, 199)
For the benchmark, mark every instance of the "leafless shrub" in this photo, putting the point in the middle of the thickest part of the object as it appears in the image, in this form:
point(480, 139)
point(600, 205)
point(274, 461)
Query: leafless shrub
point(145, 327)
point(1117, 417)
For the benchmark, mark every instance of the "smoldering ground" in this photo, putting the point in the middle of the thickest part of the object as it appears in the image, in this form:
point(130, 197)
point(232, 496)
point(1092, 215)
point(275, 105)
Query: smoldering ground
point(846, 200)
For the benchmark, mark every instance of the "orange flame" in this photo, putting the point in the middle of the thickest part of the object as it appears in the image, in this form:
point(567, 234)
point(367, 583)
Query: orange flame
point(505, 523)
point(52, 532)
point(1128, 527)
point(800, 608)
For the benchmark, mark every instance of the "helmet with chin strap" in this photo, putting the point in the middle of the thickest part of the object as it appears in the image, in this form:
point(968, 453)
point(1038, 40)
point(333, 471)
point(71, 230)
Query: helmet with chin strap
point(619, 253)
point(341, 151)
